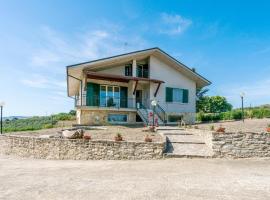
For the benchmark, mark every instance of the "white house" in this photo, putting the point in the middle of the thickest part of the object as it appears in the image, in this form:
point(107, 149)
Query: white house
point(120, 89)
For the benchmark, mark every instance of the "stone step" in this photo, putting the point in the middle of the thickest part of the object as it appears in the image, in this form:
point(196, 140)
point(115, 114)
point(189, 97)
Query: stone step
point(172, 155)
point(189, 149)
point(185, 139)
point(169, 128)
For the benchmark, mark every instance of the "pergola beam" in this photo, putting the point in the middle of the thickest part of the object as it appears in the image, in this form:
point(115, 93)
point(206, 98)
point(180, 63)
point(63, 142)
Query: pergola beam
point(157, 89)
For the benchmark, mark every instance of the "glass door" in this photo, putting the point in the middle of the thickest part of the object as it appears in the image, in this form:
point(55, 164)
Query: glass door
point(109, 96)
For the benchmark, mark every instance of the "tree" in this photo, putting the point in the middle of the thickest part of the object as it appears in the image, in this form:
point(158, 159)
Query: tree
point(72, 112)
point(213, 104)
point(200, 92)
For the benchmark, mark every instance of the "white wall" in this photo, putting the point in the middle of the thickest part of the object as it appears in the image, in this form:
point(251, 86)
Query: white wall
point(118, 70)
point(173, 78)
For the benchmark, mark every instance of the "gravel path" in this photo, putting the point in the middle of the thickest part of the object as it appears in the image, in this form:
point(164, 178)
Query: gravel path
point(154, 179)
point(252, 125)
point(134, 133)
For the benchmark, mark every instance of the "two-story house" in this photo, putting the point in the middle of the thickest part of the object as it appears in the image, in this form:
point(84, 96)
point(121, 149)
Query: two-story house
point(124, 88)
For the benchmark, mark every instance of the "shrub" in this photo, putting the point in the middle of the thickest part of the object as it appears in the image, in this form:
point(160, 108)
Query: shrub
point(46, 126)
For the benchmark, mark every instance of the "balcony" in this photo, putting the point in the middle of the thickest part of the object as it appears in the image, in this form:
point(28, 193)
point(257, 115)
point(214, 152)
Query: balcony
point(109, 102)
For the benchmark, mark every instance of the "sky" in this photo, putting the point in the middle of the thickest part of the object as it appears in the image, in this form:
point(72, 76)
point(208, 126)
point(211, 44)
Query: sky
point(228, 42)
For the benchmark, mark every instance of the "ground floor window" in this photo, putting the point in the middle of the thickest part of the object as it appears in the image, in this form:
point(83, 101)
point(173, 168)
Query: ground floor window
point(175, 118)
point(117, 117)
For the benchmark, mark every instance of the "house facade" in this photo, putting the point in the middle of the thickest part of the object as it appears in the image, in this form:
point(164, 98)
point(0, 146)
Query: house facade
point(134, 88)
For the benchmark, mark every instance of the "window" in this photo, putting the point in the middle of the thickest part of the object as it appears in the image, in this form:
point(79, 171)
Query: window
point(142, 70)
point(109, 96)
point(175, 118)
point(128, 70)
point(117, 118)
point(176, 95)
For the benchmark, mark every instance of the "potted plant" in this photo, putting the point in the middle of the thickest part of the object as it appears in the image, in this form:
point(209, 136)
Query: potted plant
point(212, 128)
point(147, 139)
point(221, 129)
point(87, 137)
point(152, 128)
point(118, 137)
point(268, 128)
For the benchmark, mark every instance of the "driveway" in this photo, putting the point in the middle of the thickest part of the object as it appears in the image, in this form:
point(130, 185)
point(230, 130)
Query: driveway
point(153, 179)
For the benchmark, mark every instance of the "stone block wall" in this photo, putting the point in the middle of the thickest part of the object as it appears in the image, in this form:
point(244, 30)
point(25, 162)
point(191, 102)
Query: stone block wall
point(241, 145)
point(78, 149)
point(100, 116)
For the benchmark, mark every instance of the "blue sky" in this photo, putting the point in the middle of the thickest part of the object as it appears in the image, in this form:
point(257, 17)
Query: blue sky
point(228, 42)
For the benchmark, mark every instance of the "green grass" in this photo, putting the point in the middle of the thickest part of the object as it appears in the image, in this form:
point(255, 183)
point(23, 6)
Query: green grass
point(36, 123)
point(236, 114)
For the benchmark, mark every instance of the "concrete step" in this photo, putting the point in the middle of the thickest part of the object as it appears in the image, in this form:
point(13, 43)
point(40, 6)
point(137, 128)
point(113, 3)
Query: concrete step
point(188, 149)
point(172, 155)
point(185, 139)
point(170, 128)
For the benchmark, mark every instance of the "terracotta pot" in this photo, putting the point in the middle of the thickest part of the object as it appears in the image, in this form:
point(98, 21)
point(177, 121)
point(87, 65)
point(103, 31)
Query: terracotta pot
point(221, 130)
point(147, 139)
point(87, 137)
point(118, 139)
point(268, 129)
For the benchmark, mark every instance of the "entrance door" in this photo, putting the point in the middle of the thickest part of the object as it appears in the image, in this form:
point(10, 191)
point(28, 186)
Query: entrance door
point(138, 98)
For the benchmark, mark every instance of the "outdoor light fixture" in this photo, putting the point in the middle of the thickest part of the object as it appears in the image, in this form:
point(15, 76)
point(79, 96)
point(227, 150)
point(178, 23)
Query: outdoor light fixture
point(1, 106)
point(242, 94)
point(154, 104)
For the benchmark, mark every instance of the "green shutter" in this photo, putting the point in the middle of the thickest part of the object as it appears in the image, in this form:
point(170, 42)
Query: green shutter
point(123, 97)
point(185, 96)
point(169, 94)
point(92, 94)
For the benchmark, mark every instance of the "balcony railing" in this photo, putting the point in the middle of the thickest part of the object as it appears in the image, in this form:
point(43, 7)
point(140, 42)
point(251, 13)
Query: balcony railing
point(109, 102)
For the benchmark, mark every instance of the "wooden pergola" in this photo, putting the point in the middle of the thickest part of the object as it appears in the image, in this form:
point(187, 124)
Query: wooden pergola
point(125, 79)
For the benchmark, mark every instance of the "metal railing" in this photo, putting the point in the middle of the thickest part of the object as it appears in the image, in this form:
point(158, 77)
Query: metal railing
point(161, 113)
point(145, 118)
point(108, 101)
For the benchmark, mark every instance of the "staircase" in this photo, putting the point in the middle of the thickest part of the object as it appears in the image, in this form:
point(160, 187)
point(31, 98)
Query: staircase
point(183, 143)
point(144, 114)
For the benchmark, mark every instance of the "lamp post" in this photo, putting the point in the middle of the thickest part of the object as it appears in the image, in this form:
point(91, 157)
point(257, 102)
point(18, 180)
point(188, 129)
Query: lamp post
point(242, 94)
point(1, 106)
point(154, 104)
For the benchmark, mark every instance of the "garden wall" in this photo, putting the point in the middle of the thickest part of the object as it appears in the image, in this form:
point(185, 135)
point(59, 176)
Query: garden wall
point(78, 149)
point(241, 145)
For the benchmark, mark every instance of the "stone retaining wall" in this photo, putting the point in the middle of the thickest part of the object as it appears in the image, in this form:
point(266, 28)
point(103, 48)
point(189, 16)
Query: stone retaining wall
point(241, 145)
point(78, 149)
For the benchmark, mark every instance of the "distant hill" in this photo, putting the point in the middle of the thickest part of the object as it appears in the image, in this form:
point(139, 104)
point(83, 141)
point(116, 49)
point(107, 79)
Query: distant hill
point(15, 117)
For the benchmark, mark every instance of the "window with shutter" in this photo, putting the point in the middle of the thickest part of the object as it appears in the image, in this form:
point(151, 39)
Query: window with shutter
point(169, 94)
point(176, 95)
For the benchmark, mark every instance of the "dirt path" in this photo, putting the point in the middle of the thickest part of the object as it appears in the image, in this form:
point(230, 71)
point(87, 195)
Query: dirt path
point(158, 179)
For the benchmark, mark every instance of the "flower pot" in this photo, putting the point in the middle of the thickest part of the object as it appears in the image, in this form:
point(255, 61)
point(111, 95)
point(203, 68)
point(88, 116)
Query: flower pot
point(87, 137)
point(147, 139)
point(268, 129)
point(221, 130)
point(118, 139)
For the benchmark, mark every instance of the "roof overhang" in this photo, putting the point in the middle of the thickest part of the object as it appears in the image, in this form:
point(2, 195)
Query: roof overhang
point(75, 72)
point(118, 78)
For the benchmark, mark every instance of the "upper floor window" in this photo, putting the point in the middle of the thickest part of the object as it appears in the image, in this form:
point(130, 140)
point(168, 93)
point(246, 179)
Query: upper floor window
point(142, 70)
point(128, 70)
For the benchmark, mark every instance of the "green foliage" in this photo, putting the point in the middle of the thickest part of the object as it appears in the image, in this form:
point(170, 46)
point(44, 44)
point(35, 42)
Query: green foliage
point(213, 104)
point(235, 114)
point(35, 123)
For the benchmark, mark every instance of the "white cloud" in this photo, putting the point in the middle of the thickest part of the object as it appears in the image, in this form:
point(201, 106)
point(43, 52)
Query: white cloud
point(174, 24)
point(256, 93)
point(58, 50)
point(43, 82)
